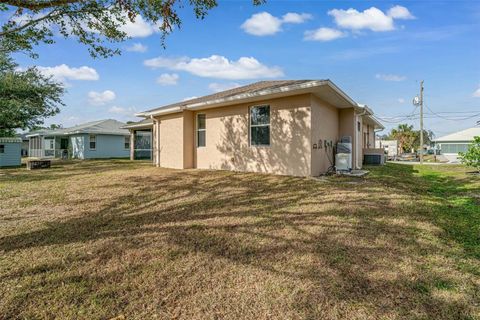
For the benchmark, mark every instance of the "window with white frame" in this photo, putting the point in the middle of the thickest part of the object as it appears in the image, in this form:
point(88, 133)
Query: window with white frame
point(201, 130)
point(93, 142)
point(127, 142)
point(260, 126)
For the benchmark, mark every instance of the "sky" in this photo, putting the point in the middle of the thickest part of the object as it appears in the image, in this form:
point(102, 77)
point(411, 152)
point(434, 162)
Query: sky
point(375, 51)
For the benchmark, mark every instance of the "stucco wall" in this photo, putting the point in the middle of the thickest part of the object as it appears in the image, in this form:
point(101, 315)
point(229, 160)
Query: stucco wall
point(12, 155)
point(347, 127)
point(228, 146)
point(325, 127)
point(188, 139)
point(171, 141)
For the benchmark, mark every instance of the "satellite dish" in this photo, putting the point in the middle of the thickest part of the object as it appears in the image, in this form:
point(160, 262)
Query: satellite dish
point(416, 101)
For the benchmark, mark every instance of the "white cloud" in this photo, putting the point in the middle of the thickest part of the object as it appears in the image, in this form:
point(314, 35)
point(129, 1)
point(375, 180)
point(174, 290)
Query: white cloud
point(292, 17)
point(167, 79)
point(100, 98)
point(265, 24)
point(218, 67)
point(476, 94)
point(217, 87)
point(401, 100)
point(137, 47)
point(262, 24)
point(63, 73)
point(189, 98)
point(140, 28)
point(373, 19)
point(399, 12)
point(390, 77)
point(323, 34)
point(130, 112)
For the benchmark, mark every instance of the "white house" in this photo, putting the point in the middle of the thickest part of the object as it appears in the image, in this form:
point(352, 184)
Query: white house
point(450, 145)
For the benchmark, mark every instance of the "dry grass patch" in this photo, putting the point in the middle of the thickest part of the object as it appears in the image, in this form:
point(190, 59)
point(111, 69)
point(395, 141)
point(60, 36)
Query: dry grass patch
point(99, 239)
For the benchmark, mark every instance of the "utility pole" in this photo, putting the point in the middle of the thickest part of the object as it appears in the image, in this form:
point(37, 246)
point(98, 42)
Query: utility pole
point(418, 101)
point(421, 122)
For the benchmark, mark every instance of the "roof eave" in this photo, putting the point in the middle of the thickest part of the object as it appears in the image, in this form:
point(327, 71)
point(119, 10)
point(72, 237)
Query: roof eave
point(285, 90)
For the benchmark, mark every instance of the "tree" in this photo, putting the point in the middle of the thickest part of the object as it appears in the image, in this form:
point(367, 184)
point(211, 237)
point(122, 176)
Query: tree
point(428, 136)
point(408, 138)
point(92, 22)
point(26, 97)
point(405, 135)
point(471, 158)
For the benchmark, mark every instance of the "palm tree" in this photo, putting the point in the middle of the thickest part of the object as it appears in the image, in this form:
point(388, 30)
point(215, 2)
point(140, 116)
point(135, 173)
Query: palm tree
point(405, 135)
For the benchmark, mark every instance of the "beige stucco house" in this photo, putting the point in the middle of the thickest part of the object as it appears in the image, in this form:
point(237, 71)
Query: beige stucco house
point(283, 127)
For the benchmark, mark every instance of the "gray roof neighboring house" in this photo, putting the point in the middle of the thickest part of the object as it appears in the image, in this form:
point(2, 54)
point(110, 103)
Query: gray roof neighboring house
point(10, 140)
point(464, 135)
point(267, 89)
point(144, 124)
point(108, 126)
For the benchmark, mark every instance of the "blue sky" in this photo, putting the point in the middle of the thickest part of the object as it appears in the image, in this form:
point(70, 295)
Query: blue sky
point(377, 52)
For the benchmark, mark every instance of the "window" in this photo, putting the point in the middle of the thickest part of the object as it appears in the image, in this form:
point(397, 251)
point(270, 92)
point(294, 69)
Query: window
point(260, 126)
point(2, 148)
point(127, 143)
point(93, 142)
point(358, 126)
point(201, 130)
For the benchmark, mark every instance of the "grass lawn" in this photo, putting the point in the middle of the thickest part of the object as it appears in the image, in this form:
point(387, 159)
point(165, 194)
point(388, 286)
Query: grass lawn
point(105, 239)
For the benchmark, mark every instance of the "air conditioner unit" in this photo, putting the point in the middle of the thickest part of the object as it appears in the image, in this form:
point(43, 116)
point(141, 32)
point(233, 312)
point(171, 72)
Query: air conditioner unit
point(343, 162)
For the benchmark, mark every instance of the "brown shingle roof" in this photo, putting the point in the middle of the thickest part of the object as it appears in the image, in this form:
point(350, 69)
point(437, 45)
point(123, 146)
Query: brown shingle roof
point(250, 88)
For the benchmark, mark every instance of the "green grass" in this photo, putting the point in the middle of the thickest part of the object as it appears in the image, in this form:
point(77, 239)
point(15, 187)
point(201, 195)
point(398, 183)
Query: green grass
point(104, 239)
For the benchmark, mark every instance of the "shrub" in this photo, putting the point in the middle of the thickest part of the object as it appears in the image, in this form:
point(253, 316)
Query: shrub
point(471, 158)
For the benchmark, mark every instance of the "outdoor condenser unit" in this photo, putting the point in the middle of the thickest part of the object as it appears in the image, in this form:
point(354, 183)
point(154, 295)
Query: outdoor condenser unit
point(343, 157)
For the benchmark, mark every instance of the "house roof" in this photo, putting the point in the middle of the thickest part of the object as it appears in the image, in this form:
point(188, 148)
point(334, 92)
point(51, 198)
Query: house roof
point(464, 135)
point(10, 140)
point(144, 124)
point(108, 126)
point(325, 89)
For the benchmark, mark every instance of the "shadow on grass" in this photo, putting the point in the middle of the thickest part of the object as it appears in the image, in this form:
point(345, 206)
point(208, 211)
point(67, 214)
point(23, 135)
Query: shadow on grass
point(61, 170)
point(292, 227)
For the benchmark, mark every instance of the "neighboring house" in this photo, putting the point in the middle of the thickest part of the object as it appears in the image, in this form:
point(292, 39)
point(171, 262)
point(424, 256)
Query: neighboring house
point(284, 127)
point(140, 139)
point(390, 147)
point(450, 145)
point(92, 140)
point(10, 152)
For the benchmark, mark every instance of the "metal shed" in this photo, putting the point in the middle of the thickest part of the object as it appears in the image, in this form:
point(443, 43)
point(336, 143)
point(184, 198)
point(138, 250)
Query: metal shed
point(10, 152)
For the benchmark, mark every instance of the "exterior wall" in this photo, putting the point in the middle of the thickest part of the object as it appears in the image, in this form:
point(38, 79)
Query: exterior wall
point(325, 127)
point(188, 139)
point(12, 156)
point(108, 146)
point(171, 141)
point(369, 130)
point(296, 124)
point(347, 127)
point(228, 146)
